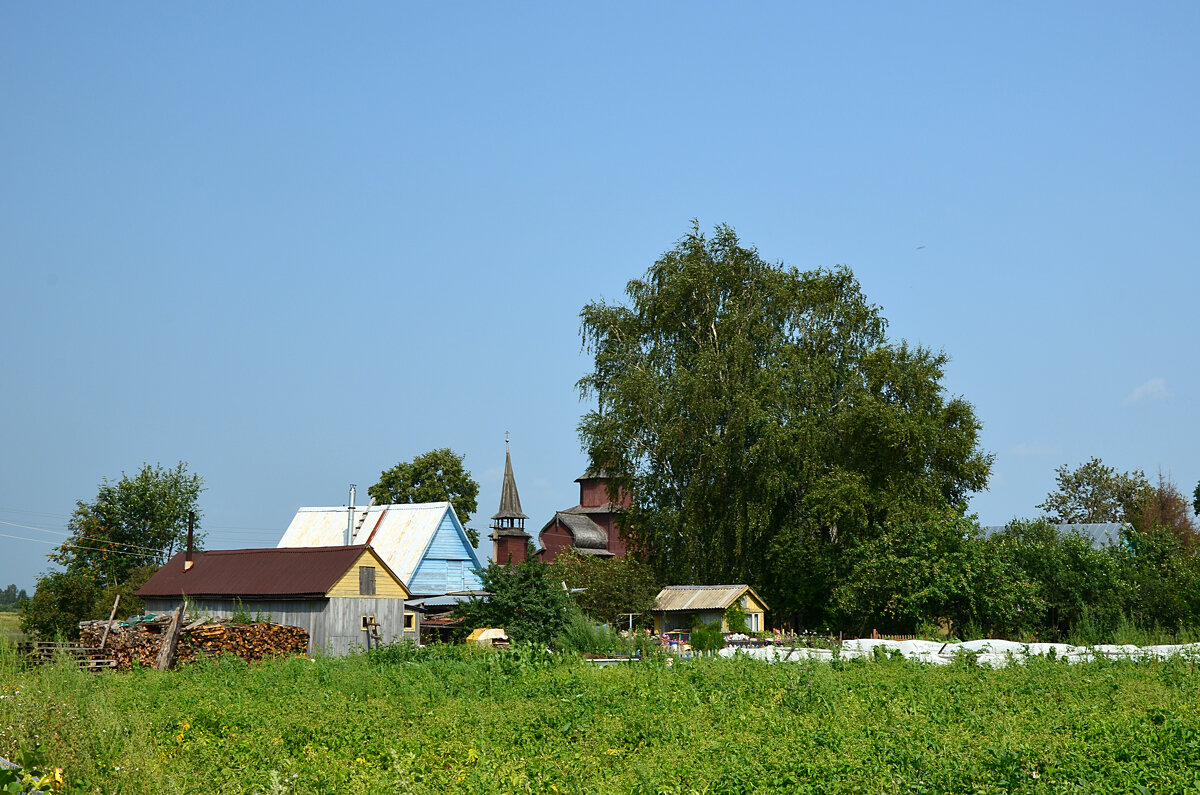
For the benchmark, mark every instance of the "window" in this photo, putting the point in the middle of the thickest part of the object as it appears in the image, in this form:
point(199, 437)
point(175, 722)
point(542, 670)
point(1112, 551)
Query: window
point(366, 580)
point(410, 622)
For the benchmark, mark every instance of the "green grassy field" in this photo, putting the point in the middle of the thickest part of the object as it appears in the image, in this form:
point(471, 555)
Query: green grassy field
point(457, 720)
point(10, 627)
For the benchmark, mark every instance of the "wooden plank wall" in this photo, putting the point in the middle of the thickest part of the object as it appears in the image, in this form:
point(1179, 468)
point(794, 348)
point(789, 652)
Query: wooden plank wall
point(446, 565)
point(334, 625)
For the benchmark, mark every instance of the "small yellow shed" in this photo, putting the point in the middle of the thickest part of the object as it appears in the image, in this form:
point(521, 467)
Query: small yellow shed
point(680, 606)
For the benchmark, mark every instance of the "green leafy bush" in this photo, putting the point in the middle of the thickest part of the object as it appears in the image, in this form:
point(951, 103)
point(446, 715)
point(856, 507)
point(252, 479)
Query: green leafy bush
point(707, 637)
point(524, 598)
point(735, 617)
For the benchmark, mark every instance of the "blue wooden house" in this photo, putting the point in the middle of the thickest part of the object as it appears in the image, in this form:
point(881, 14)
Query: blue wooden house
point(423, 543)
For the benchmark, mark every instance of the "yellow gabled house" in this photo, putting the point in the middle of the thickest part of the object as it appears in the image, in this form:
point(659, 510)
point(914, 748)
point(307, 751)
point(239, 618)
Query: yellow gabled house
point(680, 606)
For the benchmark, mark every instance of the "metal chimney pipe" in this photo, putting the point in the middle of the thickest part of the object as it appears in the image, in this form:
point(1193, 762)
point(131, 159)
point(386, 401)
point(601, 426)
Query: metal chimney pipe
point(350, 518)
point(187, 556)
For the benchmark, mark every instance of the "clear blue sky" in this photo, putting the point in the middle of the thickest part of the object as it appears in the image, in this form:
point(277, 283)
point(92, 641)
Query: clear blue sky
point(294, 244)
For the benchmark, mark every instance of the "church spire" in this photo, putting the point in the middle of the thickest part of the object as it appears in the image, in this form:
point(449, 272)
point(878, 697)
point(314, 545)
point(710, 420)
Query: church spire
point(510, 542)
point(510, 501)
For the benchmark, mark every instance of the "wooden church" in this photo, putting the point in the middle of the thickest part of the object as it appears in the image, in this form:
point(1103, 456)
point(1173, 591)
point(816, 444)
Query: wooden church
point(589, 528)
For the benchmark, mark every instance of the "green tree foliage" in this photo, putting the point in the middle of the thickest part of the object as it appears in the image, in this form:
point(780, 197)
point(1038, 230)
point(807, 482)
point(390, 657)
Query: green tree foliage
point(136, 521)
point(762, 422)
point(431, 477)
point(1196, 499)
point(1073, 578)
point(524, 599)
point(117, 541)
point(1162, 579)
point(11, 598)
point(612, 588)
point(920, 572)
point(1094, 492)
point(61, 601)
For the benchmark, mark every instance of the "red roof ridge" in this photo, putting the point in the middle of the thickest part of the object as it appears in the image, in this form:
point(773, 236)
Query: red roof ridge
point(289, 550)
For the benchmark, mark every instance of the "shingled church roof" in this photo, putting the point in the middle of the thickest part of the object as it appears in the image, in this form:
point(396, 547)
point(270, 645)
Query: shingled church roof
point(510, 501)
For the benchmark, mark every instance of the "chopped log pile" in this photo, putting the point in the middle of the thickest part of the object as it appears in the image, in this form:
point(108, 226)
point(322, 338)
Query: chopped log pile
point(141, 641)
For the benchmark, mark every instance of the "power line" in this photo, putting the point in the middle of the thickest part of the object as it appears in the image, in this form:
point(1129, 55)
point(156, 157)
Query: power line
point(39, 529)
point(236, 527)
point(84, 537)
point(34, 513)
point(77, 546)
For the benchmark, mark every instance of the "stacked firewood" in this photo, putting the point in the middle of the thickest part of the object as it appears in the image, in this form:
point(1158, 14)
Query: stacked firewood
point(249, 641)
point(141, 642)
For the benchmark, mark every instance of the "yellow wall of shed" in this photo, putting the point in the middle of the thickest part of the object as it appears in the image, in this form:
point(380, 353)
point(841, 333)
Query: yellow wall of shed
point(752, 605)
point(386, 586)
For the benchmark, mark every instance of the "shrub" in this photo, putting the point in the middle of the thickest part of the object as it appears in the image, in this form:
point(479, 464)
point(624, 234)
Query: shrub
point(583, 636)
point(524, 599)
point(735, 617)
point(707, 637)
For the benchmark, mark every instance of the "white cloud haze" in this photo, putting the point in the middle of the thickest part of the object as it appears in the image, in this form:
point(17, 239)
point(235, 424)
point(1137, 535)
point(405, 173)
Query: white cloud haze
point(1153, 390)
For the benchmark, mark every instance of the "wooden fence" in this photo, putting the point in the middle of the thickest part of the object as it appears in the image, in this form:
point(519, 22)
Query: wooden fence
point(87, 657)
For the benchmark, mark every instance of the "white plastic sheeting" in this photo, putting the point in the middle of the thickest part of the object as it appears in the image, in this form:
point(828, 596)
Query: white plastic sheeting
point(993, 653)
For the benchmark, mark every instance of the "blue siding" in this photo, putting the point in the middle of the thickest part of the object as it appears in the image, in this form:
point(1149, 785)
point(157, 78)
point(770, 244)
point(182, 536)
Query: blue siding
point(448, 563)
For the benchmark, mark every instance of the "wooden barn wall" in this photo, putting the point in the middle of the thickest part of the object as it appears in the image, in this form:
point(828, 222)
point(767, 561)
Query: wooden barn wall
point(555, 540)
point(343, 623)
point(334, 625)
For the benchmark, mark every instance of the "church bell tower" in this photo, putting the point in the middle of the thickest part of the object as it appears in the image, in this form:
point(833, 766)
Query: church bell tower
point(510, 542)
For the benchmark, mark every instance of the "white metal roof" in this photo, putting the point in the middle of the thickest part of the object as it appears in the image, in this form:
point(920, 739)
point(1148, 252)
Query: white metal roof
point(399, 534)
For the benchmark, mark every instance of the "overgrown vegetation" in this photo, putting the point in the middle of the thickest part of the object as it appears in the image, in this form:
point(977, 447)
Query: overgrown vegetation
point(464, 720)
point(612, 589)
point(524, 599)
point(12, 598)
point(117, 541)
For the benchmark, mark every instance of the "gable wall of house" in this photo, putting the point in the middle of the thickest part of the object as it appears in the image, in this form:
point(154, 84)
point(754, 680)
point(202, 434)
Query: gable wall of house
point(386, 586)
point(555, 540)
point(446, 565)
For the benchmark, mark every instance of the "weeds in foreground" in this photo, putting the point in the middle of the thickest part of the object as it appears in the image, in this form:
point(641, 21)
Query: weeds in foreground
point(463, 719)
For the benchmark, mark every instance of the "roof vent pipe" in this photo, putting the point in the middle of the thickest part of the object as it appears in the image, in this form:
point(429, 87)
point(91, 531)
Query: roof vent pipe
point(187, 557)
point(350, 519)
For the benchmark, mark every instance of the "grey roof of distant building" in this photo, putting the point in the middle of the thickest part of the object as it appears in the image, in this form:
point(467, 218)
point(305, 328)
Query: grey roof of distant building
point(1101, 534)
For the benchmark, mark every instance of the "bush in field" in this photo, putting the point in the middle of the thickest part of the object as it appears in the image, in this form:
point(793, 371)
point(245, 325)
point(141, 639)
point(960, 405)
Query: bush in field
point(612, 588)
point(707, 637)
point(918, 573)
point(583, 636)
point(60, 601)
point(523, 598)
